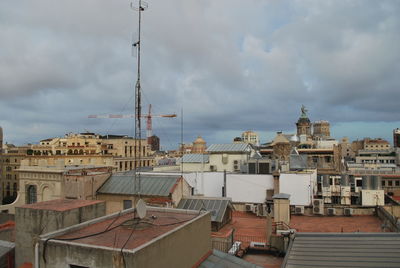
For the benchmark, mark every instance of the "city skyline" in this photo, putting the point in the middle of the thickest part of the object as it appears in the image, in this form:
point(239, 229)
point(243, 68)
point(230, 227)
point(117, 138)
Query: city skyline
point(230, 67)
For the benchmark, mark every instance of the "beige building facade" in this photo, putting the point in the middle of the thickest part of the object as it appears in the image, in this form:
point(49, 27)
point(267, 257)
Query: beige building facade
point(10, 161)
point(44, 183)
point(93, 149)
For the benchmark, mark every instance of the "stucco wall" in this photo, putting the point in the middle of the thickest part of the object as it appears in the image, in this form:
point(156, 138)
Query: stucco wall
point(179, 248)
point(30, 223)
point(216, 160)
point(300, 186)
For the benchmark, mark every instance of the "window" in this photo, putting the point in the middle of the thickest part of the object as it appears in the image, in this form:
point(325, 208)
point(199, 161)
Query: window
point(15, 189)
point(383, 183)
point(127, 204)
point(397, 183)
point(390, 183)
point(31, 197)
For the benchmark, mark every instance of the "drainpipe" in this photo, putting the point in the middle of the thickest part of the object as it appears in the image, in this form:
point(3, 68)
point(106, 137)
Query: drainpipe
point(37, 255)
point(224, 193)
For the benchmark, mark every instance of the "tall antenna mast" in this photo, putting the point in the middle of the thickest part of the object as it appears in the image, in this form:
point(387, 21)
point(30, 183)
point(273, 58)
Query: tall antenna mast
point(138, 106)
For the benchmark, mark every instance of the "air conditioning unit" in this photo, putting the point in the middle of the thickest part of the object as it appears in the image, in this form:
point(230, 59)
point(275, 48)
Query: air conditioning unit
point(255, 209)
point(318, 206)
point(236, 167)
point(348, 211)
point(317, 202)
point(262, 210)
point(249, 207)
point(258, 245)
point(331, 211)
point(213, 168)
point(299, 210)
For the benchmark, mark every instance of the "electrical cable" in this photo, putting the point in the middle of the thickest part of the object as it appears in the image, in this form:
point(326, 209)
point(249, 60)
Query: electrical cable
point(109, 228)
point(85, 236)
point(126, 242)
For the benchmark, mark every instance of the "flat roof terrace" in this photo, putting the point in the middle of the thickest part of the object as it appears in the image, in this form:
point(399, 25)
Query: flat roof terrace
point(123, 231)
point(338, 224)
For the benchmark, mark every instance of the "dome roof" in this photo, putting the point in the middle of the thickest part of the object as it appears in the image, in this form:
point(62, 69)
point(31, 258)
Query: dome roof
point(303, 120)
point(199, 140)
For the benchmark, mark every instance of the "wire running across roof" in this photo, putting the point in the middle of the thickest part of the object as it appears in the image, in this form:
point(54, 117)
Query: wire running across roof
point(217, 206)
point(149, 184)
point(229, 148)
point(195, 158)
point(344, 250)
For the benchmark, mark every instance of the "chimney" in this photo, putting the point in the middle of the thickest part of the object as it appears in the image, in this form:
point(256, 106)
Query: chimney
point(276, 175)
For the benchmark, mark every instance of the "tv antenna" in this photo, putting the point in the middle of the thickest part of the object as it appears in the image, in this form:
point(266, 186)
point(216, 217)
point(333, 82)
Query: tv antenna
point(138, 108)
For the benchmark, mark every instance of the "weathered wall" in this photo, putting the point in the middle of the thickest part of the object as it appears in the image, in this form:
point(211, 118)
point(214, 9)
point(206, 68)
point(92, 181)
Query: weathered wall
point(84, 187)
point(176, 249)
point(393, 210)
point(115, 202)
point(30, 223)
point(216, 160)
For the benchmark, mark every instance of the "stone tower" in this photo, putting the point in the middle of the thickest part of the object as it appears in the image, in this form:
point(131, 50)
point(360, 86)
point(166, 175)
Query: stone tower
point(321, 129)
point(304, 123)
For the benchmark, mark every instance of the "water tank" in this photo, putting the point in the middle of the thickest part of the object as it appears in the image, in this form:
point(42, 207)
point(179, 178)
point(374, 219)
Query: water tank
point(376, 182)
point(345, 180)
point(366, 183)
point(325, 181)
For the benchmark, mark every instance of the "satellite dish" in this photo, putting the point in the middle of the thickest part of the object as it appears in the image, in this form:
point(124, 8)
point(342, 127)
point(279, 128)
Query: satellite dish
point(141, 209)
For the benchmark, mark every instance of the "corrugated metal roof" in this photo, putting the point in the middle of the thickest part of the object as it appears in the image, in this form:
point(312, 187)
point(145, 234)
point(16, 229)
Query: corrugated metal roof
point(195, 158)
point(6, 247)
point(217, 206)
point(344, 250)
point(219, 259)
point(150, 184)
point(229, 148)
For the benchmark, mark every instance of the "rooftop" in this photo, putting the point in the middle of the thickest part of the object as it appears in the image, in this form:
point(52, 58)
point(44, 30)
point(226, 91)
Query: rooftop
point(221, 259)
point(153, 185)
point(229, 148)
point(336, 223)
point(217, 206)
point(195, 158)
point(62, 204)
point(248, 227)
point(5, 247)
point(344, 250)
point(156, 223)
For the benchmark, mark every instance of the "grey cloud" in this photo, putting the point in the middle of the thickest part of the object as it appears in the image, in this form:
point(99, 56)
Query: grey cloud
point(231, 66)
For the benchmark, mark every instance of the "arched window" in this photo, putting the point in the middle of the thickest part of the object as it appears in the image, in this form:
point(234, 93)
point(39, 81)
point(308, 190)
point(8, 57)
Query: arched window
point(31, 194)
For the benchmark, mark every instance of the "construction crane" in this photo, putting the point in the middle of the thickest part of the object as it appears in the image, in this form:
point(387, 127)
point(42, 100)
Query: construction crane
point(149, 116)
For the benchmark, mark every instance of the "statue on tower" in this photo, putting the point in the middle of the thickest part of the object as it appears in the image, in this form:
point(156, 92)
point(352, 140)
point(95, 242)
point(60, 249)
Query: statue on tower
point(303, 112)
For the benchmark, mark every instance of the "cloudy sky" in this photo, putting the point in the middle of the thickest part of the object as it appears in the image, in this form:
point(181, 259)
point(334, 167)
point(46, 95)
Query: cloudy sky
point(230, 65)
